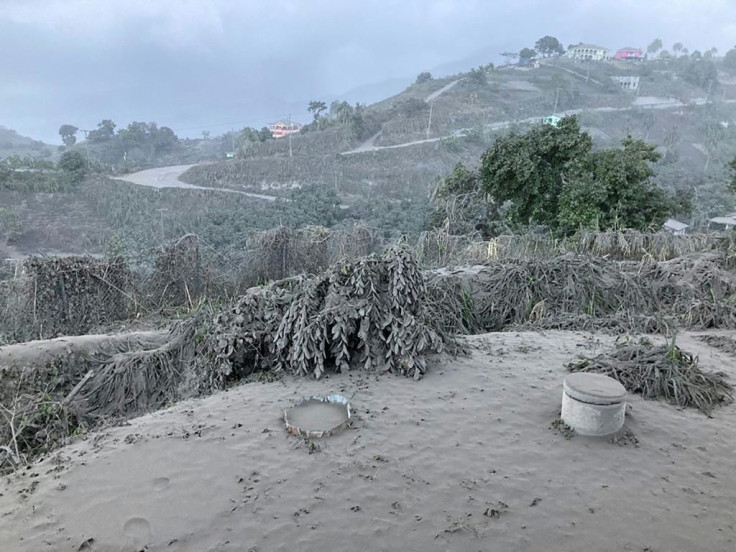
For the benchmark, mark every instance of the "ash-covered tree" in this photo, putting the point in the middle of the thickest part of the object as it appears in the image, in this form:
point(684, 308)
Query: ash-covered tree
point(729, 60)
point(478, 76)
point(700, 72)
point(72, 167)
point(104, 132)
point(528, 53)
point(424, 76)
point(461, 204)
point(551, 177)
point(265, 134)
point(316, 108)
point(549, 46)
point(68, 135)
point(654, 47)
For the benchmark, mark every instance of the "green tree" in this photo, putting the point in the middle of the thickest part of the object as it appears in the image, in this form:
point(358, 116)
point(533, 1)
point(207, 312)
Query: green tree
point(729, 60)
point(550, 176)
point(677, 47)
point(68, 135)
point(549, 46)
point(527, 170)
point(528, 53)
point(612, 188)
point(654, 47)
point(732, 169)
point(424, 76)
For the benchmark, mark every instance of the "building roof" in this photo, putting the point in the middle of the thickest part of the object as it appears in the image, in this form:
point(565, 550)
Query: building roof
point(728, 221)
point(629, 49)
point(589, 46)
point(673, 224)
point(287, 124)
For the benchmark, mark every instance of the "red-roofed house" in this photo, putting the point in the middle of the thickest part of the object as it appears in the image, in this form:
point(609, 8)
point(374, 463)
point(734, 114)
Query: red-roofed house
point(629, 53)
point(284, 128)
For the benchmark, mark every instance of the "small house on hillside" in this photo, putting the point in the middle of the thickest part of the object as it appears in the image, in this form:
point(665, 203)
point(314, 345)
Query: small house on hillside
point(552, 120)
point(635, 54)
point(588, 52)
point(724, 223)
point(675, 226)
point(284, 128)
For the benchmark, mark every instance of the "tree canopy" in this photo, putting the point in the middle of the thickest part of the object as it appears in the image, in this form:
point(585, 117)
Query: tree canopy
point(549, 46)
point(551, 177)
point(424, 76)
point(528, 53)
point(73, 167)
point(68, 135)
point(316, 107)
point(655, 46)
point(729, 60)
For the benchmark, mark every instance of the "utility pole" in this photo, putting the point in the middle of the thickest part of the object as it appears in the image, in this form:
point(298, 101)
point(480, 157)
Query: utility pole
point(710, 86)
point(587, 77)
point(429, 124)
point(290, 152)
point(232, 135)
point(556, 100)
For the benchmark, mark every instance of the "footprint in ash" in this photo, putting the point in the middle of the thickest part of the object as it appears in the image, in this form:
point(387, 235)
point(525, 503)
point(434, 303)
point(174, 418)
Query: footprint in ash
point(138, 530)
point(160, 483)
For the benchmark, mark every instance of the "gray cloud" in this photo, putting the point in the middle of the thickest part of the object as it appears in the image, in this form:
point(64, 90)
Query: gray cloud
point(197, 65)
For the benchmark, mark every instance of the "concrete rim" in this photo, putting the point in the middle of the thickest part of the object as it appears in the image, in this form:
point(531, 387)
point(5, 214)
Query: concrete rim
point(594, 388)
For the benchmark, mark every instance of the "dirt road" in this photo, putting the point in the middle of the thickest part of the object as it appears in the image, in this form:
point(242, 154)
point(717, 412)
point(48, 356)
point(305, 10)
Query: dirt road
point(640, 103)
point(168, 177)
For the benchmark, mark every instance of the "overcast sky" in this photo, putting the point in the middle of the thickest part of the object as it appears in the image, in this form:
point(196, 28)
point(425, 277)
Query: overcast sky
point(214, 64)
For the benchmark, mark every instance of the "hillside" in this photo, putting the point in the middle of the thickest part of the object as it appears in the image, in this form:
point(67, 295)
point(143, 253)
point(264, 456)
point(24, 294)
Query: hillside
point(12, 143)
point(380, 161)
point(398, 152)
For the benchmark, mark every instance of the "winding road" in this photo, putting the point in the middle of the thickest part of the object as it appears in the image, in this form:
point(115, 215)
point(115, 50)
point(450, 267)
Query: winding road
point(168, 177)
point(639, 103)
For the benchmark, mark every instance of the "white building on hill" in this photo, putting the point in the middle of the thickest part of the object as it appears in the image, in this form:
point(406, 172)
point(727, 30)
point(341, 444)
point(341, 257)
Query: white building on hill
point(588, 52)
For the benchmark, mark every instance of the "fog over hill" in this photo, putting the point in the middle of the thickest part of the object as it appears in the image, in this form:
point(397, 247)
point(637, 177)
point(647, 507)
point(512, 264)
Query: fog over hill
point(216, 65)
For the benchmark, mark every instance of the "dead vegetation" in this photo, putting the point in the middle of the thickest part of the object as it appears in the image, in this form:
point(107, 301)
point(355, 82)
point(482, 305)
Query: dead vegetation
point(367, 314)
point(663, 372)
point(720, 342)
point(580, 292)
point(377, 312)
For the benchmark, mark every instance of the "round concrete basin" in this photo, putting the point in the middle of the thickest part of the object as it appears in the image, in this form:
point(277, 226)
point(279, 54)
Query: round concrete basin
point(593, 404)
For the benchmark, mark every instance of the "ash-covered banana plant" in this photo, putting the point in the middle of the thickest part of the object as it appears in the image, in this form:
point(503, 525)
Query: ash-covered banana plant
point(370, 313)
